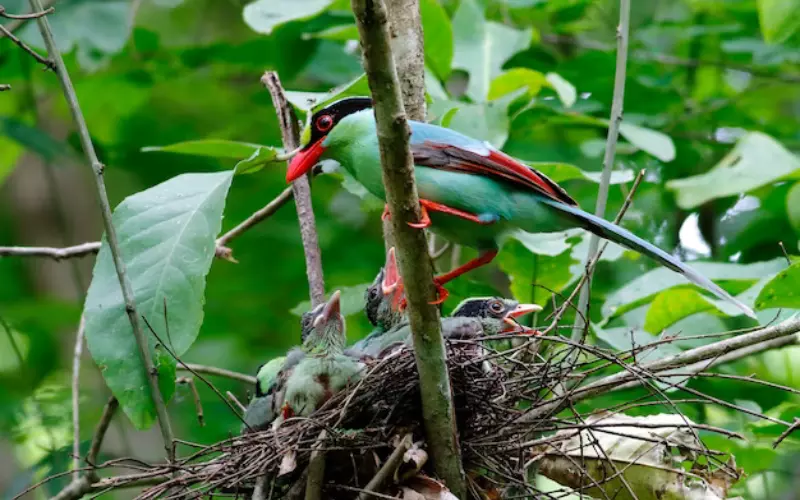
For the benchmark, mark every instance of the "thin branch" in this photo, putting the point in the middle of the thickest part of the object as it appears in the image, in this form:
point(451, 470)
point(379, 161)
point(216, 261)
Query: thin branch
point(270, 208)
point(25, 17)
point(4, 31)
point(76, 420)
point(415, 263)
point(111, 233)
point(316, 469)
point(219, 372)
point(786, 433)
point(21, 19)
point(301, 188)
point(387, 470)
point(92, 247)
point(198, 404)
point(581, 320)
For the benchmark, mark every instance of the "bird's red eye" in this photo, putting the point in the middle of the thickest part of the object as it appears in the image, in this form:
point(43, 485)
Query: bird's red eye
point(324, 123)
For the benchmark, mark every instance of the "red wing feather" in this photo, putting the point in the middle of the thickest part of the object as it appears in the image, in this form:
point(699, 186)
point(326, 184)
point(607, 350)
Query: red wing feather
point(495, 164)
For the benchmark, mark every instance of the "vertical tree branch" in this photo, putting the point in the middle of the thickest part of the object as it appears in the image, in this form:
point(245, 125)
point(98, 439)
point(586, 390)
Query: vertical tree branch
point(111, 233)
point(415, 263)
point(76, 420)
point(608, 158)
point(290, 131)
point(316, 469)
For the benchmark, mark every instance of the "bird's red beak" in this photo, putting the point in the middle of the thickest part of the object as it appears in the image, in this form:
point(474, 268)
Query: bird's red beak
point(391, 276)
point(521, 310)
point(304, 160)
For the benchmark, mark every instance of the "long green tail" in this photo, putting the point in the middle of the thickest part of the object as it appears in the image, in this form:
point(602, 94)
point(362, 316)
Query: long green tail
point(612, 232)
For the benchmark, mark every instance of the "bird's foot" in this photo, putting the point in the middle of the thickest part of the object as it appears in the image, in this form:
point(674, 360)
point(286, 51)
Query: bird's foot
point(386, 213)
point(428, 205)
point(425, 219)
point(286, 411)
point(441, 292)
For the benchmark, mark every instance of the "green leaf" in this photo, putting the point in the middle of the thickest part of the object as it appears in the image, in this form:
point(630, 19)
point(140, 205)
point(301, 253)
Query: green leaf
point(263, 16)
point(793, 206)
point(215, 148)
point(648, 140)
point(565, 90)
point(482, 47)
point(671, 306)
point(90, 26)
point(641, 290)
point(167, 240)
point(256, 161)
point(755, 161)
point(307, 101)
point(487, 121)
point(352, 300)
point(526, 269)
point(341, 33)
point(515, 79)
point(438, 38)
point(779, 19)
point(782, 291)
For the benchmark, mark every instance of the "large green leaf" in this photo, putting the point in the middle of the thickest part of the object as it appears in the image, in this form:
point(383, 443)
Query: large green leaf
point(487, 121)
point(779, 19)
point(641, 290)
point(560, 172)
point(517, 78)
point(265, 15)
point(672, 305)
point(214, 148)
point(782, 291)
point(438, 34)
point(525, 269)
point(648, 140)
point(167, 240)
point(35, 139)
point(482, 47)
point(757, 160)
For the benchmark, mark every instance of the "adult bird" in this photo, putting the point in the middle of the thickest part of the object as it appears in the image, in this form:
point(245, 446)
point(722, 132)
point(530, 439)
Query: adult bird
point(308, 375)
point(470, 193)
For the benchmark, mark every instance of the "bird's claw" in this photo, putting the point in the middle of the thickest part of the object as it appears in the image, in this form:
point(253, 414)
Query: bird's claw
point(441, 293)
point(386, 213)
point(425, 219)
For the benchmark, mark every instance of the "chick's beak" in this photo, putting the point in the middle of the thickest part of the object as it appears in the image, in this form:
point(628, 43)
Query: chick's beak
point(332, 307)
point(304, 160)
point(391, 276)
point(521, 310)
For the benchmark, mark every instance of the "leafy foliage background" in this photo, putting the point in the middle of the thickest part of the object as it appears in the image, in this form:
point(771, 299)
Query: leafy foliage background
point(711, 110)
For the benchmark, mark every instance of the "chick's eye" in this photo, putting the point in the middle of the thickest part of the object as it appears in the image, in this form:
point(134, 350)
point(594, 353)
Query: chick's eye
point(496, 306)
point(324, 123)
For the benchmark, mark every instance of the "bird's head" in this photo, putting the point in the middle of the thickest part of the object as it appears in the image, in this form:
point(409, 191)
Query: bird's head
point(323, 327)
point(385, 297)
point(498, 315)
point(319, 127)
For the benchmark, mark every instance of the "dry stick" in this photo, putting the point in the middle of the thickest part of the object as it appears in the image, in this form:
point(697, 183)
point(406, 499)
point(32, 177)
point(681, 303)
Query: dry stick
point(395, 460)
point(316, 469)
point(111, 233)
point(626, 379)
point(786, 433)
point(608, 159)
point(76, 421)
point(198, 404)
point(412, 249)
point(220, 372)
point(301, 188)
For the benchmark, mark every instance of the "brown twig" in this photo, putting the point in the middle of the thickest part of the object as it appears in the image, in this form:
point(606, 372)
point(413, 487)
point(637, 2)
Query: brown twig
point(25, 17)
point(18, 20)
point(198, 404)
point(786, 433)
point(219, 372)
point(387, 470)
point(316, 470)
point(4, 31)
point(233, 399)
point(581, 321)
point(412, 248)
point(111, 233)
point(301, 188)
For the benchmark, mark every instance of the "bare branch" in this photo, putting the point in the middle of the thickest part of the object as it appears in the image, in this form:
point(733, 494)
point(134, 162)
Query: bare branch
point(4, 31)
point(76, 420)
point(220, 372)
point(17, 22)
point(198, 404)
point(111, 233)
point(25, 17)
point(316, 469)
point(608, 159)
point(415, 263)
point(387, 470)
point(786, 433)
point(301, 189)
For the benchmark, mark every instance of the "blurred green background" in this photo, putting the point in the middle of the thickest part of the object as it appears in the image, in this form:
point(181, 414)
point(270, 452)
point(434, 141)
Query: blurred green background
point(711, 112)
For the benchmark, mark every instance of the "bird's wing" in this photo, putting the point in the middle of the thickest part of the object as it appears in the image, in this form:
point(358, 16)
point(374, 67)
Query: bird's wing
point(445, 149)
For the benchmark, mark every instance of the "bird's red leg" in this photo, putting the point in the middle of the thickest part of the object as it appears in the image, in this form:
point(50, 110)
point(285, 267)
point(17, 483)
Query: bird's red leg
point(426, 205)
point(439, 281)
